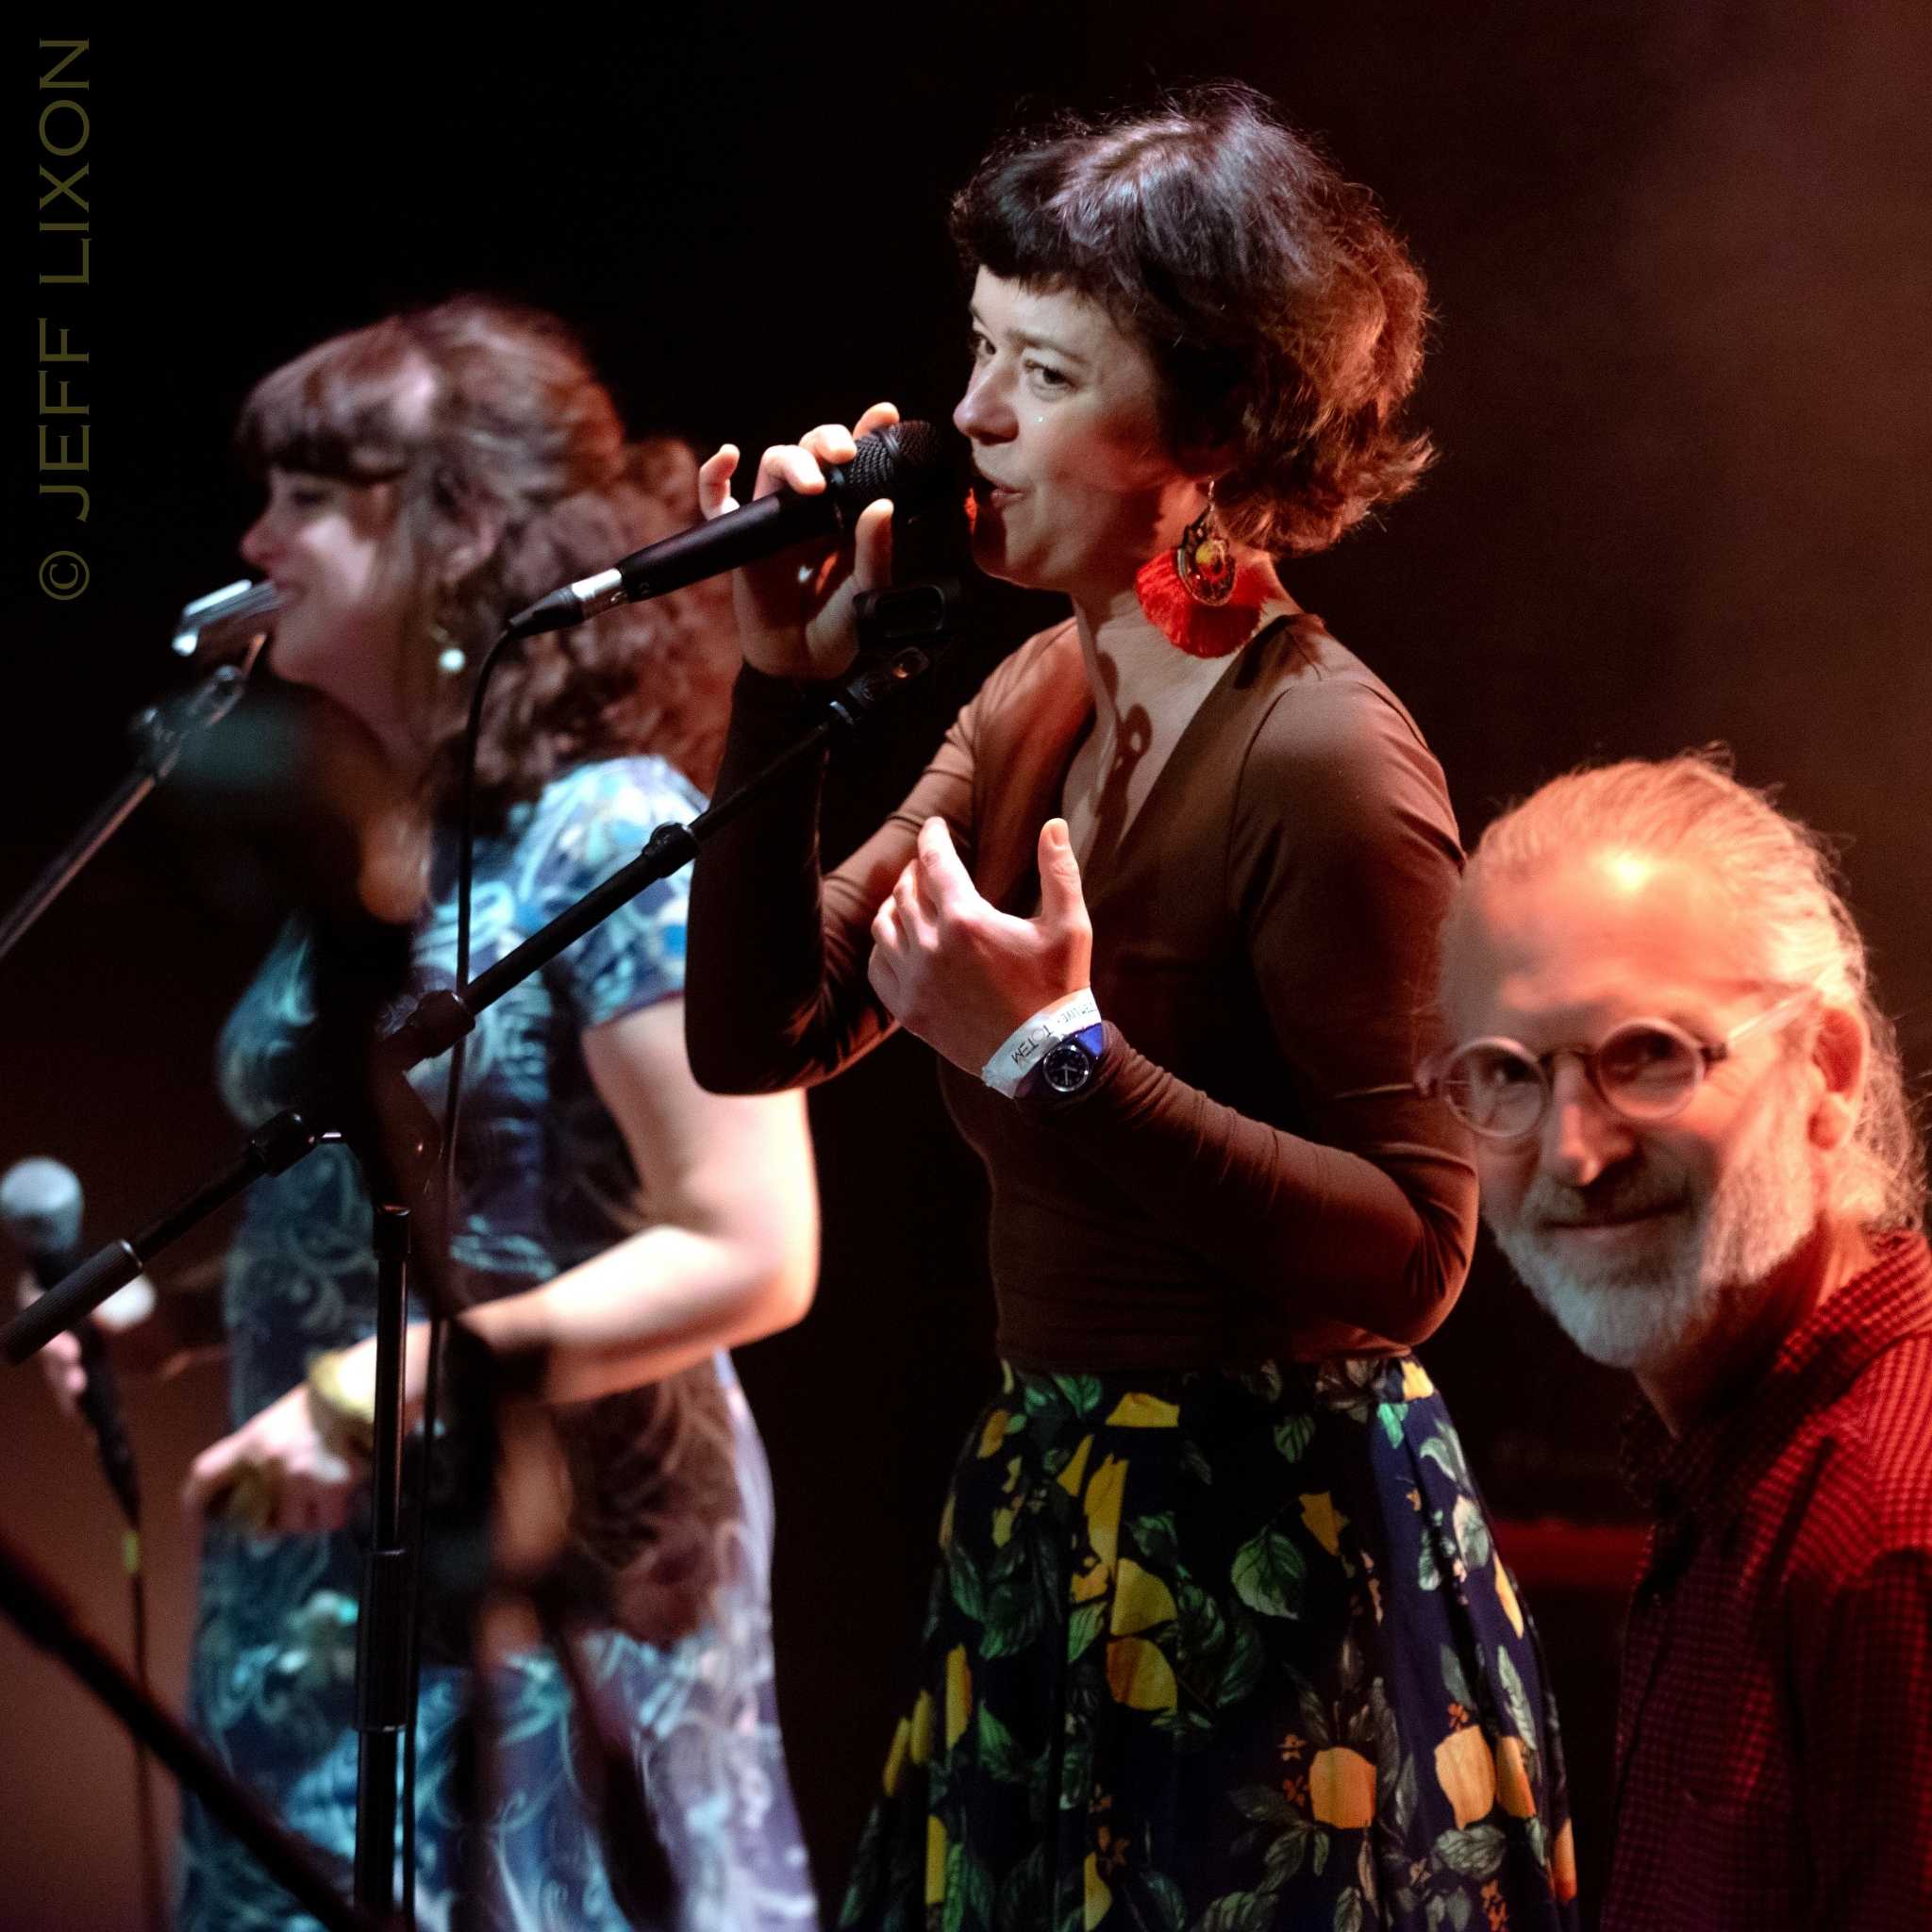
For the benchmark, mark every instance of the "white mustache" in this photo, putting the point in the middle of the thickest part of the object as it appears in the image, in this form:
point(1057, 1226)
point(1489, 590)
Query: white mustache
point(1551, 1203)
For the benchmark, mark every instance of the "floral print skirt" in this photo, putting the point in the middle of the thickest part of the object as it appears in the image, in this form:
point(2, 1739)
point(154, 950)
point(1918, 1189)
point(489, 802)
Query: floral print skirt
point(1220, 1653)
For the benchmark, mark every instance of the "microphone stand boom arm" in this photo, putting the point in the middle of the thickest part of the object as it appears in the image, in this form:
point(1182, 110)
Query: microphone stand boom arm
point(160, 733)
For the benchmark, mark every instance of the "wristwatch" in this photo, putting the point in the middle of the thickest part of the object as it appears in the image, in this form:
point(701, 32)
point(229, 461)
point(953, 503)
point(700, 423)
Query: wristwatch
point(1066, 1034)
point(1066, 1068)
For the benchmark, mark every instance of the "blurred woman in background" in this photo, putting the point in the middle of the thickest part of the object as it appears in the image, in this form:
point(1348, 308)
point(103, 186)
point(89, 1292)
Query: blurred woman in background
point(427, 477)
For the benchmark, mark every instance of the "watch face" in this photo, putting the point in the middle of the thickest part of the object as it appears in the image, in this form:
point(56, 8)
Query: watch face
point(1067, 1067)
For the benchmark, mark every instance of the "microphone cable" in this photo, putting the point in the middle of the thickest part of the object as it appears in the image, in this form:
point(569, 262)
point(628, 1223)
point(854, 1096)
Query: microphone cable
point(118, 1467)
point(127, 1493)
point(147, 1825)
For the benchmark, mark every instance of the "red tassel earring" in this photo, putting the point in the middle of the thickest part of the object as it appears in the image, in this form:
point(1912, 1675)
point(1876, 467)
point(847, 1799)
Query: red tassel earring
point(1204, 559)
point(1198, 595)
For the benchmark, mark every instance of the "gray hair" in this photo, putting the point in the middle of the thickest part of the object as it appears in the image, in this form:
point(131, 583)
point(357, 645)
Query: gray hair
point(1781, 879)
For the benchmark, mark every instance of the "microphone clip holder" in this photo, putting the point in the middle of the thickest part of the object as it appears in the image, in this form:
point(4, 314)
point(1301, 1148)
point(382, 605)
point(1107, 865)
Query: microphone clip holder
point(163, 730)
point(902, 630)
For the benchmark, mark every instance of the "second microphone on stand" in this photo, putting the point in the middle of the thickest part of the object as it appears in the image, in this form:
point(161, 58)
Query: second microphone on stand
point(41, 1205)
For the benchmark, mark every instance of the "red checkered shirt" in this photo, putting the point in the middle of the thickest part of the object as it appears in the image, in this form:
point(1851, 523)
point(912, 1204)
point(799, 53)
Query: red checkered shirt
point(1774, 1730)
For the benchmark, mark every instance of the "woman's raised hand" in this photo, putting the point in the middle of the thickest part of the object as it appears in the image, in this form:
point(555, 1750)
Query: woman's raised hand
point(959, 972)
point(795, 610)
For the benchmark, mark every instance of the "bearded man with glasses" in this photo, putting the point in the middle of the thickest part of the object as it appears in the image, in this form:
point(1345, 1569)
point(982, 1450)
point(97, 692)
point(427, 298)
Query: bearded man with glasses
point(1696, 1149)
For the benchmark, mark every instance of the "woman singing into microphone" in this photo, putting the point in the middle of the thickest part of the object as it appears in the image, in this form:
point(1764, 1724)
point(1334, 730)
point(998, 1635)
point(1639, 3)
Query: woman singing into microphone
point(427, 477)
point(1218, 1635)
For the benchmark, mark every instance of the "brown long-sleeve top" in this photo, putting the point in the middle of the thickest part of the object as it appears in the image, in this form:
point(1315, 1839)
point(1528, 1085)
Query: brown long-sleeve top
point(1251, 1174)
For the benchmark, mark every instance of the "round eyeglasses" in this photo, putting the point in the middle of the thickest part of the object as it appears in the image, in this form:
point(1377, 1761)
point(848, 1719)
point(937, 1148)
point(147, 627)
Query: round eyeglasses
point(1645, 1070)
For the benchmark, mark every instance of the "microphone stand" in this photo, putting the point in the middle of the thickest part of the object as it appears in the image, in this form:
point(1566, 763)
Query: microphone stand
point(160, 734)
point(913, 623)
point(37, 1610)
point(383, 1630)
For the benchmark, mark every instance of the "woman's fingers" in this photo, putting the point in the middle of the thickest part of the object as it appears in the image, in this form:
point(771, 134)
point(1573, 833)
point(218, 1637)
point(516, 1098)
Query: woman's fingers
point(209, 1475)
point(914, 907)
point(882, 968)
point(802, 465)
point(795, 621)
point(66, 1378)
point(1062, 904)
point(714, 481)
point(831, 636)
point(788, 466)
point(60, 1356)
point(882, 972)
point(799, 465)
point(275, 1473)
point(830, 443)
point(872, 546)
point(948, 884)
point(307, 1505)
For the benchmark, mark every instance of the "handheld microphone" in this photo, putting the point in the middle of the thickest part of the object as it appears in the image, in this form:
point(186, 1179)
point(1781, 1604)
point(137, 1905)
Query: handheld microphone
point(40, 1207)
point(907, 461)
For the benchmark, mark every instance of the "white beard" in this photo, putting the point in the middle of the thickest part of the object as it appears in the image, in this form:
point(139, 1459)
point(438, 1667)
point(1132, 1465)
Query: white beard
point(1644, 1310)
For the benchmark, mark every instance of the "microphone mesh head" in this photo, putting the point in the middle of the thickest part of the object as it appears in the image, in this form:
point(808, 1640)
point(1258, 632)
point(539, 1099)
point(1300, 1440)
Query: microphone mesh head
point(39, 1202)
point(907, 461)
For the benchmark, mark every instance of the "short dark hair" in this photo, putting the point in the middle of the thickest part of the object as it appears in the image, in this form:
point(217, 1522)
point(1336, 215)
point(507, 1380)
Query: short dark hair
point(1283, 315)
point(513, 423)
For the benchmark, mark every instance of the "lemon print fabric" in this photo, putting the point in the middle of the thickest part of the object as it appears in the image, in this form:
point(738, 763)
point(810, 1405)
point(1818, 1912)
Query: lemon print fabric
point(1209, 1652)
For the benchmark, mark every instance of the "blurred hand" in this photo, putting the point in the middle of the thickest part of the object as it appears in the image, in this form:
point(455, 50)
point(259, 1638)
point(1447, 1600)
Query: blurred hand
point(279, 1462)
point(795, 610)
point(125, 1319)
point(962, 975)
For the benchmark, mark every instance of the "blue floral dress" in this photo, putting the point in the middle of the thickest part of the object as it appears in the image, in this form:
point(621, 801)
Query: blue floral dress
point(547, 1182)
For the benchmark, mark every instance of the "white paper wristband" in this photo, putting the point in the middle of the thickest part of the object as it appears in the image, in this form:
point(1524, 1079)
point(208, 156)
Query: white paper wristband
point(1021, 1051)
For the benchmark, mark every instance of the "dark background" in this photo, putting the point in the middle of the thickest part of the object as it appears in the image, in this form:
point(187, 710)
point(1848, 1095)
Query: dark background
point(1681, 256)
